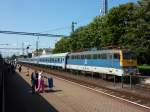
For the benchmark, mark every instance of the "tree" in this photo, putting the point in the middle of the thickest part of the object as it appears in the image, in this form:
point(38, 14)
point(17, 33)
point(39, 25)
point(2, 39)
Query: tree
point(125, 26)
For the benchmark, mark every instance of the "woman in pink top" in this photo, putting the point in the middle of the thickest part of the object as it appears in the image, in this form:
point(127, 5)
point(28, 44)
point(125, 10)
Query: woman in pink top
point(42, 83)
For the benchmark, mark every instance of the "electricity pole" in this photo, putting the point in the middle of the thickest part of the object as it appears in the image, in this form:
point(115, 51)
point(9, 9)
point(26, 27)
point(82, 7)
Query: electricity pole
point(105, 7)
point(73, 26)
point(22, 48)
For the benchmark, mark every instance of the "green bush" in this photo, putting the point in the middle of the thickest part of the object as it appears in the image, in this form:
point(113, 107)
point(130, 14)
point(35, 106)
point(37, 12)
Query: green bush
point(144, 69)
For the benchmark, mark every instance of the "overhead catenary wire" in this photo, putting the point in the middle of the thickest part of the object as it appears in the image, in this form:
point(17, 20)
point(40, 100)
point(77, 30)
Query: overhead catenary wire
point(56, 29)
point(31, 34)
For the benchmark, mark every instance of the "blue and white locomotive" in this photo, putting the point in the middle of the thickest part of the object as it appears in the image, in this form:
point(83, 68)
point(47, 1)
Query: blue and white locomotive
point(116, 62)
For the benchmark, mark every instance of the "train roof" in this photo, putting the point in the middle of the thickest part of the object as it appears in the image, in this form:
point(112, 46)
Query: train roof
point(96, 52)
point(54, 55)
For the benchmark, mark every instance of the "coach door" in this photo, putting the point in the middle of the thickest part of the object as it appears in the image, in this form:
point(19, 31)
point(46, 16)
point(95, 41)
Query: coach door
point(110, 60)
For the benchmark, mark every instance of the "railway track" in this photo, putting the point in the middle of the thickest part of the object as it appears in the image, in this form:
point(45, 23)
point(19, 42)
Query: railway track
point(131, 97)
point(144, 87)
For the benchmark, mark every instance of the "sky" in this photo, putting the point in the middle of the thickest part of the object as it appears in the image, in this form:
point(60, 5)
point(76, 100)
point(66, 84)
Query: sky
point(45, 16)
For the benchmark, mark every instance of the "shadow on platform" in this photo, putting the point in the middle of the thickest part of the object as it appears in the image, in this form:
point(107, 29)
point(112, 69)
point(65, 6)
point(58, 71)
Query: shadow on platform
point(20, 99)
point(52, 91)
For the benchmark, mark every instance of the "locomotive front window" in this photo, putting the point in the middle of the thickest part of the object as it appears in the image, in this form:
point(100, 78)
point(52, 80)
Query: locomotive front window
point(129, 55)
point(116, 56)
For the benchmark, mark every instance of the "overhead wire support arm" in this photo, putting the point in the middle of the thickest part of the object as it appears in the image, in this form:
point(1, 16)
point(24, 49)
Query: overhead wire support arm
point(31, 34)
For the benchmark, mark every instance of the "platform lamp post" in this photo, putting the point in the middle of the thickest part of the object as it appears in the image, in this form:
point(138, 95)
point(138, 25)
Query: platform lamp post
point(28, 50)
point(28, 57)
point(37, 45)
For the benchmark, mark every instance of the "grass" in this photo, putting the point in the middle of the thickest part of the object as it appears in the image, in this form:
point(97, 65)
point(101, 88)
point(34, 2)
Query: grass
point(144, 69)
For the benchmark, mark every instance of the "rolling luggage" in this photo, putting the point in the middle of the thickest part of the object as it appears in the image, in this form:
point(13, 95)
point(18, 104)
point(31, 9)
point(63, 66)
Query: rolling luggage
point(50, 82)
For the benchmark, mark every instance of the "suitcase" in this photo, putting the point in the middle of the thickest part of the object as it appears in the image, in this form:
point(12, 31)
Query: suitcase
point(50, 82)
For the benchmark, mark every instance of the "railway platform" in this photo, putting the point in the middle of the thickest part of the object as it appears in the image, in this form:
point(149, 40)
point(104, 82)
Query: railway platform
point(18, 96)
point(64, 97)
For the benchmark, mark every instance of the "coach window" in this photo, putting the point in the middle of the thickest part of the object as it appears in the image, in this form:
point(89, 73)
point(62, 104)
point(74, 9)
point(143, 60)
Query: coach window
point(99, 56)
point(103, 56)
point(82, 56)
point(110, 56)
point(69, 57)
point(76, 56)
point(88, 56)
point(95, 56)
point(79, 57)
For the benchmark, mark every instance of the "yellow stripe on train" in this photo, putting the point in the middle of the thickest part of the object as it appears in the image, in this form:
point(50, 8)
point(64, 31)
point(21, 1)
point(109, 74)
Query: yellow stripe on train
point(129, 62)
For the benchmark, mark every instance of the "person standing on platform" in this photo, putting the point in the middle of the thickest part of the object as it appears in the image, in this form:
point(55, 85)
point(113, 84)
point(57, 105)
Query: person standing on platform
point(33, 81)
point(20, 68)
point(42, 84)
point(39, 81)
point(36, 80)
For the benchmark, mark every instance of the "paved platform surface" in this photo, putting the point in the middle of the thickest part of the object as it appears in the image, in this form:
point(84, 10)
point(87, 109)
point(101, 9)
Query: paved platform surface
point(68, 97)
point(18, 97)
